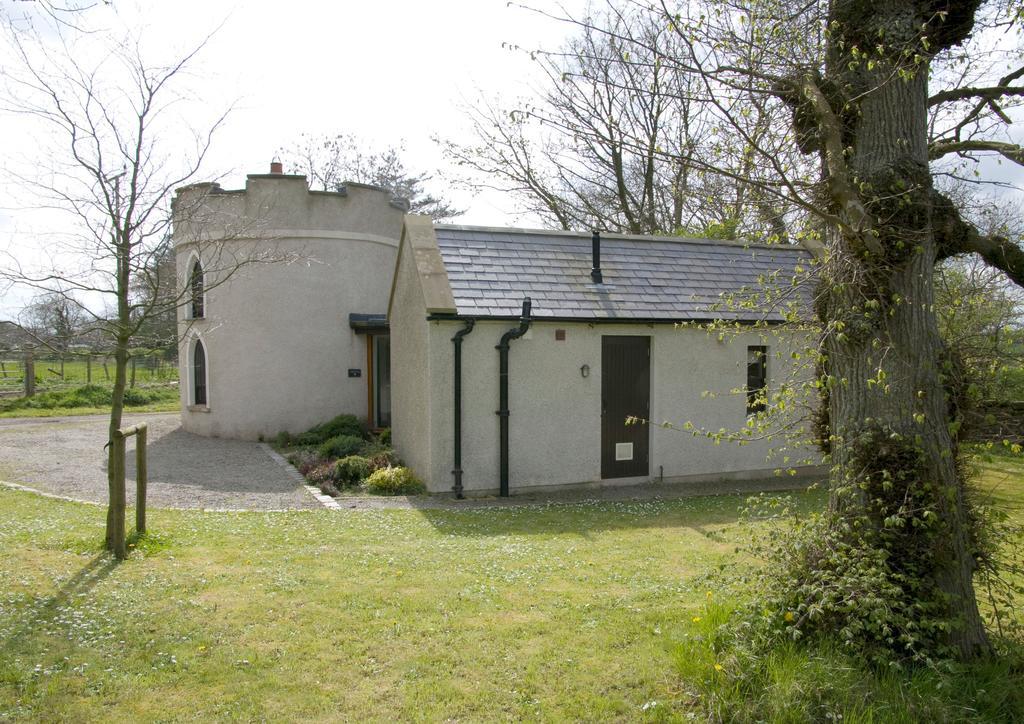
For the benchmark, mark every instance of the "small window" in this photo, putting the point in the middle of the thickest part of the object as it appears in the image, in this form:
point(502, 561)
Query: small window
point(757, 379)
point(199, 374)
point(197, 283)
point(382, 379)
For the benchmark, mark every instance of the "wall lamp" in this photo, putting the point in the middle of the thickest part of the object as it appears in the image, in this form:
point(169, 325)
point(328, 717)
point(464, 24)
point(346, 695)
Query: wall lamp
point(585, 371)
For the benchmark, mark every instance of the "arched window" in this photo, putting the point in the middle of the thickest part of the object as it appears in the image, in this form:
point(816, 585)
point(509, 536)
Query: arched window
point(196, 281)
point(199, 374)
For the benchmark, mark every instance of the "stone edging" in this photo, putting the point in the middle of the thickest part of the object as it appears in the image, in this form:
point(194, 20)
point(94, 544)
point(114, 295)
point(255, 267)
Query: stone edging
point(54, 496)
point(289, 469)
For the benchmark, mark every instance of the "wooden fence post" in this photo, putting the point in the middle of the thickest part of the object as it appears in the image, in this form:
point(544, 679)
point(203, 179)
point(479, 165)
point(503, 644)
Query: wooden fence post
point(141, 479)
point(30, 374)
point(117, 497)
point(88, 369)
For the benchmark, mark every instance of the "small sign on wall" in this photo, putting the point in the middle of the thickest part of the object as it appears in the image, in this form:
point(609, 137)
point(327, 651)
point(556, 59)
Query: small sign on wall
point(355, 373)
point(623, 451)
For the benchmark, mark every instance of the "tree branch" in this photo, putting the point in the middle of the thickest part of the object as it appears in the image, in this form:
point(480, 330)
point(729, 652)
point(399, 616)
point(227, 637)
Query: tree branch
point(999, 252)
point(989, 94)
point(954, 235)
point(1012, 151)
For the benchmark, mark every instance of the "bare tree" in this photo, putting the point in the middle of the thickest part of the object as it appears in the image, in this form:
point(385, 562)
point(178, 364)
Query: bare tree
point(23, 15)
point(619, 140)
point(109, 114)
point(55, 319)
point(331, 160)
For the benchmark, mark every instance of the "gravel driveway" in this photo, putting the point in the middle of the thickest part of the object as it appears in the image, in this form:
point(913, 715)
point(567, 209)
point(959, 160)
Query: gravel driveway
point(65, 456)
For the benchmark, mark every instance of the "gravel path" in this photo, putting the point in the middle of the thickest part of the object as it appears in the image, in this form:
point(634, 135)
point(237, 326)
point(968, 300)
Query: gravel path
point(65, 456)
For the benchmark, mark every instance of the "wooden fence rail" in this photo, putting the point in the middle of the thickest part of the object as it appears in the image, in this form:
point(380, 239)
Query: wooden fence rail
point(118, 496)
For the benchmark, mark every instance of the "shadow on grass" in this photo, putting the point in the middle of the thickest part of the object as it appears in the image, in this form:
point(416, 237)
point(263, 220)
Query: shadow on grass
point(81, 583)
point(704, 514)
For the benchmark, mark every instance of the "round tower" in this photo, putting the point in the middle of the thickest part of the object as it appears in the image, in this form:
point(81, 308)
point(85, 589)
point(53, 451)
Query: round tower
point(286, 289)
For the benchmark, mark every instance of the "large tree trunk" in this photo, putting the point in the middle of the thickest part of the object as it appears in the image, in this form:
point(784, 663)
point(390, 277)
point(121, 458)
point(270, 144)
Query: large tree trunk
point(890, 415)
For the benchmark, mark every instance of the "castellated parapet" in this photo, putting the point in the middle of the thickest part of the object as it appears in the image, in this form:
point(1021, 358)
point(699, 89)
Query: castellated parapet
point(275, 270)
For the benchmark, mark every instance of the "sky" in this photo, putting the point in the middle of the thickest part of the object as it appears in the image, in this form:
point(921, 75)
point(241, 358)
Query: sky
point(396, 72)
point(389, 72)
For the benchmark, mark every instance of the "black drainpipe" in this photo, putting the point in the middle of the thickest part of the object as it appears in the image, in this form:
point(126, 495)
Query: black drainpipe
point(516, 333)
point(457, 341)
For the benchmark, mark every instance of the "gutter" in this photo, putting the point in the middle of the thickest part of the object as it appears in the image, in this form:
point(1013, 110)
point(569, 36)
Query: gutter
point(503, 411)
point(676, 321)
point(457, 464)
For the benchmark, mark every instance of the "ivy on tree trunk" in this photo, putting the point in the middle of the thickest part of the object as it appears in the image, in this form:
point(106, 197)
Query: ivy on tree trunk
point(892, 429)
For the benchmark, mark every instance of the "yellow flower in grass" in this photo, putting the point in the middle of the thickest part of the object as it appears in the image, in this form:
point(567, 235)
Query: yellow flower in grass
point(696, 619)
point(789, 617)
point(719, 667)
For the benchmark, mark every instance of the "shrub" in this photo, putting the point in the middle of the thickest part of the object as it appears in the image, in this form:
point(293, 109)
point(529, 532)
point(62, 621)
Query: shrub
point(340, 446)
point(329, 488)
point(304, 461)
point(340, 425)
point(351, 470)
point(322, 473)
point(283, 439)
point(380, 456)
point(395, 481)
point(384, 438)
point(138, 396)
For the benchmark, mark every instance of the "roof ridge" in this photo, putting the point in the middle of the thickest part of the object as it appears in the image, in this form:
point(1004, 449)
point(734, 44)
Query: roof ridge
point(608, 236)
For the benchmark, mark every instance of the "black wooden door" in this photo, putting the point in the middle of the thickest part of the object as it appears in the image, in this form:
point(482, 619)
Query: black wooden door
point(625, 393)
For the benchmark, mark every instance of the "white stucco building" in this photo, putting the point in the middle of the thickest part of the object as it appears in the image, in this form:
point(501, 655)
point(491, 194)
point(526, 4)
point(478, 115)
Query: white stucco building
point(481, 397)
point(291, 338)
point(601, 344)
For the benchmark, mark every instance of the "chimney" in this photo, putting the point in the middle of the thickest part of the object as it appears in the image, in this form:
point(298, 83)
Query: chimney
point(595, 244)
point(276, 167)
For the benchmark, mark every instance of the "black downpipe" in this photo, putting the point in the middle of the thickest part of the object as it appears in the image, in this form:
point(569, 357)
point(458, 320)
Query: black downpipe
point(503, 413)
point(457, 341)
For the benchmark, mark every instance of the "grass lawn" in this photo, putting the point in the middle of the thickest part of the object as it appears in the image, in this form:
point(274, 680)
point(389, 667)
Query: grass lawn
point(560, 612)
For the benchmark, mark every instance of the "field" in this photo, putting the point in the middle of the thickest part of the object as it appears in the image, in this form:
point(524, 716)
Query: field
point(78, 371)
point(548, 612)
point(69, 393)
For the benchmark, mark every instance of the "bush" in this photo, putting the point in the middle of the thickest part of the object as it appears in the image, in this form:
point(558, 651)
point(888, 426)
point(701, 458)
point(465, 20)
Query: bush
point(322, 473)
point(329, 488)
point(304, 461)
point(340, 446)
point(283, 439)
point(395, 481)
point(380, 456)
point(384, 438)
point(340, 425)
point(351, 470)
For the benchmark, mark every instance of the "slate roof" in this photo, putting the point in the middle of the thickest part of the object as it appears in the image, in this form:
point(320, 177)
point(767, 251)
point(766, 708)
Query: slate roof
point(645, 278)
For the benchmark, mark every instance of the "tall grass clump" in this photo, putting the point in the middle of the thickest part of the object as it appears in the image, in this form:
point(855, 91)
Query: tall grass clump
point(826, 627)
